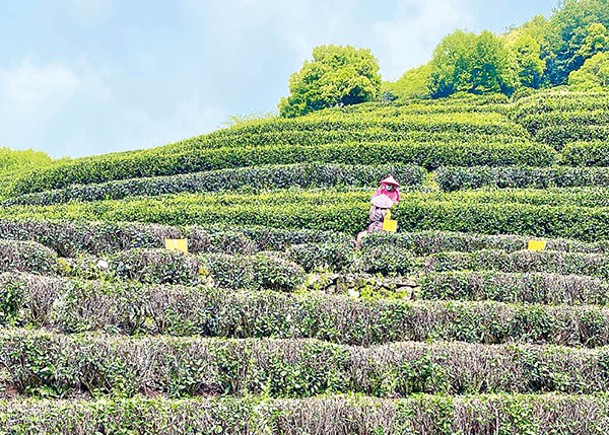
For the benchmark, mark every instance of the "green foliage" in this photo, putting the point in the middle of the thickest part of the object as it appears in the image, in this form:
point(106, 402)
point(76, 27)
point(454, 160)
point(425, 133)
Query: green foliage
point(337, 75)
point(386, 260)
point(593, 153)
point(531, 288)
point(101, 365)
point(26, 256)
point(527, 55)
point(13, 160)
point(130, 308)
point(342, 136)
point(322, 256)
point(579, 214)
point(72, 238)
point(457, 178)
point(596, 40)
point(155, 266)
point(428, 154)
point(422, 243)
point(306, 175)
point(560, 116)
point(594, 73)
point(475, 415)
point(565, 263)
point(466, 62)
point(574, 32)
point(254, 272)
point(414, 84)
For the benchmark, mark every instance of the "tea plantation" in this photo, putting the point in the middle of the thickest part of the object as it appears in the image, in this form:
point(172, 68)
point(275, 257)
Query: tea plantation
point(274, 322)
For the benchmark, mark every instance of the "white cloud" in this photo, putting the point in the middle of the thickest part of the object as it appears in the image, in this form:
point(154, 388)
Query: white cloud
point(407, 40)
point(32, 96)
point(28, 89)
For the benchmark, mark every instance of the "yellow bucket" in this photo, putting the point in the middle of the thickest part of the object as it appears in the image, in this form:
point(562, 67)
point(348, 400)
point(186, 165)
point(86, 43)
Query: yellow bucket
point(537, 245)
point(390, 225)
point(177, 245)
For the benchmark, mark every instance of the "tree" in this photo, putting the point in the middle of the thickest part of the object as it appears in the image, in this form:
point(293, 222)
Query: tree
point(337, 75)
point(465, 62)
point(413, 84)
point(567, 32)
point(594, 73)
point(596, 40)
point(527, 56)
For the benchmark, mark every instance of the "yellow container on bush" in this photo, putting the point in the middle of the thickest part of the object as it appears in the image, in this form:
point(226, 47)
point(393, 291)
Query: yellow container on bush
point(537, 245)
point(390, 225)
point(177, 245)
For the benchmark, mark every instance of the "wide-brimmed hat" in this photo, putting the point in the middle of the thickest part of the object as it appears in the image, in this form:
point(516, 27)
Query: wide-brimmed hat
point(381, 201)
point(390, 180)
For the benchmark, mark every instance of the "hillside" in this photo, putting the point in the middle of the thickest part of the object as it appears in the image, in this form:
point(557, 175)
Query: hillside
point(274, 322)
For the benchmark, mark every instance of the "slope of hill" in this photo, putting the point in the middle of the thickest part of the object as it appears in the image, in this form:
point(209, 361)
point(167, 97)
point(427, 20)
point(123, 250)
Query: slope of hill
point(274, 322)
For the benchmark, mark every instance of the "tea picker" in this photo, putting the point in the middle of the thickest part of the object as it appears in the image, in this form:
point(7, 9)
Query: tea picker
point(379, 216)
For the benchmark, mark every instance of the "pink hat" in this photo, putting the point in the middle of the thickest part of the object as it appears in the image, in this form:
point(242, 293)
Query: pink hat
point(390, 180)
point(381, 201)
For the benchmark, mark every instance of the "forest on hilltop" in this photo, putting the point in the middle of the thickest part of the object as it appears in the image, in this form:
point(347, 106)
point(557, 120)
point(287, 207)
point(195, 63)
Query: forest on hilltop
point(569, 48)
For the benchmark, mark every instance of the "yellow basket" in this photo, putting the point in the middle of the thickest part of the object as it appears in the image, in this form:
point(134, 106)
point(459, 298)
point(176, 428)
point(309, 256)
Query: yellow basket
point(389, 225)
point(537, 245)
point(177, 245)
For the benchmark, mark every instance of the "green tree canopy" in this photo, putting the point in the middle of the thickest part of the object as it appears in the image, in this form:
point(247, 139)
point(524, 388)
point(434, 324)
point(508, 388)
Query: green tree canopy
point(594, 73)
point(413, 84)
point(526, 52)
point(337, 75)
point(596, 40)
point(572, 36)
point(466, 62)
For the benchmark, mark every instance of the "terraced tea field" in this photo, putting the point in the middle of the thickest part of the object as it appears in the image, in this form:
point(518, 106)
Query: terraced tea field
point(274, 322)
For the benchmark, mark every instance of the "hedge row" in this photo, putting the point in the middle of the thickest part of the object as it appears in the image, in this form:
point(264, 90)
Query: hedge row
point(156, 266)
point(341, 257)
point(558, 118)
point(457, 178)
point(338, 415)
point(69, 306)
point(26, 257)
point(522, 262)
point(159, 266)
point(69, 238)
point(430, 155)
point(15, 160)
point(534, 122)
point(423, 243)
point(580, 196)
point(559, 136)
point(271, 271)
point(535, 288)
point(39, 363)
point(348, 213)
point(238, 137)
point(489, 123)
point(310, 175)
point(575, 197)
point(561, 99)
point(72, 238)
point(593, 153)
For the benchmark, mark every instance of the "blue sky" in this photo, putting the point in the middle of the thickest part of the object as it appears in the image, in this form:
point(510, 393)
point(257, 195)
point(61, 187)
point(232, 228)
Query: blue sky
point(81, 77)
